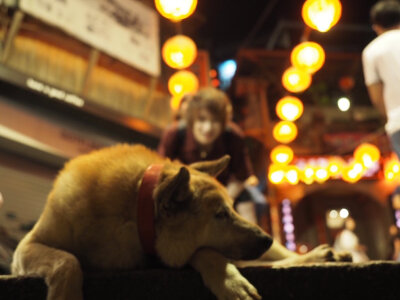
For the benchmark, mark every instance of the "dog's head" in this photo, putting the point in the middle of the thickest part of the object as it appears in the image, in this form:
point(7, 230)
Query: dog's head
point(195, 211)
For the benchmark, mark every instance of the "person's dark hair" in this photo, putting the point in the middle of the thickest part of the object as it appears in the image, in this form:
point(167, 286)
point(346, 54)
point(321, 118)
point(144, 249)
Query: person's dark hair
point(386, 13)
point(214, 101)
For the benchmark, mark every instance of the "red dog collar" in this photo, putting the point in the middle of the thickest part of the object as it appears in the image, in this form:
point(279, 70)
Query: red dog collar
point(145, 208)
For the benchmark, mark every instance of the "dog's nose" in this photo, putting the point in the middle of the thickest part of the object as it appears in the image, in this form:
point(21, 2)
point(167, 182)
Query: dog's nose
point(267, 242)
point(262, 244)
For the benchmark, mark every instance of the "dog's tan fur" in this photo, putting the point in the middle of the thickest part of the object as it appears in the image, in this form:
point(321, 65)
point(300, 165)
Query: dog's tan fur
point(89, 222)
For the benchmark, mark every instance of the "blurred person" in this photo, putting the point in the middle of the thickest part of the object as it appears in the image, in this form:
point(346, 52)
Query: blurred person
point(381, 64)
point(207, 133)
point(347, 240)
point(394, 243)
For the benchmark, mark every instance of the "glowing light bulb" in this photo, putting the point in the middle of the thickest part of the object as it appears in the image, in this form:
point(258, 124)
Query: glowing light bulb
point(367, 154)
point(344, 213)
point(176, 10)
point(333, 214)
point(321, 15)
point(308, 56)
point(292, 175)
point(321, 175)
point(183, 82)
point(284, 132)
point(276, 174)
point(295, 80)
point(335, 166)
point(289, 108)
point(179, 52)
point(344, 104)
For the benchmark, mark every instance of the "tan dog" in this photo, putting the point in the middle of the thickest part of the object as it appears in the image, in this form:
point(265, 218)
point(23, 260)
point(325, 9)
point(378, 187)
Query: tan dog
point(91, 221)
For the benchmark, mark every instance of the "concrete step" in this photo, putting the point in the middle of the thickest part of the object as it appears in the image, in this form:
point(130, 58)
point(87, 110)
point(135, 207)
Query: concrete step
point(379, 280)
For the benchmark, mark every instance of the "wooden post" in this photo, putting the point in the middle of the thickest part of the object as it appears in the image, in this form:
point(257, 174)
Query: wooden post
point(12, 32)
point(93, 59)
point(265, 119)
point(150, 98)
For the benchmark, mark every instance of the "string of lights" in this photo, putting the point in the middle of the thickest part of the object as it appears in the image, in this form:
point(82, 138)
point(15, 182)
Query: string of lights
point(307, 58)
point(179, 52)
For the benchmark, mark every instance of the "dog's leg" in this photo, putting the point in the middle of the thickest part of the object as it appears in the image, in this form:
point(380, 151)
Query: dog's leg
point(61, 270)
point(322, 253)
point(222, 277)
point(278, 256)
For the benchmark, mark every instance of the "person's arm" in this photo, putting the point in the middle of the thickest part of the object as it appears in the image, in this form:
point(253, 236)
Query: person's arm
point(234, 187)
point(252, 181)
point(375, 92)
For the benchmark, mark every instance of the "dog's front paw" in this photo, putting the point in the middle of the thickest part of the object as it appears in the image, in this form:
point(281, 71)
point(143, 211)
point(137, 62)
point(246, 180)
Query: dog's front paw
point(325, 253)
point(236, 287)
point(344, 256)
point(320, 254)
point(222, 277)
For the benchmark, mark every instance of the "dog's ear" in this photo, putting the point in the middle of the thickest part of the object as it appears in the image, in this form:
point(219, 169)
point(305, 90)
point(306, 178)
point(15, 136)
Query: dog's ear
point(212, 167)
point(174, 192)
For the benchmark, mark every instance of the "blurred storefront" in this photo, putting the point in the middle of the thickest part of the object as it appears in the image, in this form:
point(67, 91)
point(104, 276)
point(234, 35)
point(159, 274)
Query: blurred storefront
point(67, 87)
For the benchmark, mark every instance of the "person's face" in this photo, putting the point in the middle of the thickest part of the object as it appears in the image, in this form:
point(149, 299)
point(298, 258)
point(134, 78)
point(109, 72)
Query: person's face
point(206, 128)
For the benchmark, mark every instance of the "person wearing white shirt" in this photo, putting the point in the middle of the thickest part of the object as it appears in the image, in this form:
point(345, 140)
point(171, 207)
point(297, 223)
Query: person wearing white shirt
point(381, 64)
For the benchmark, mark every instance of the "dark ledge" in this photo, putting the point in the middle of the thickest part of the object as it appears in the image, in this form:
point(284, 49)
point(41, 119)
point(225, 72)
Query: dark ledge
point(373, 280)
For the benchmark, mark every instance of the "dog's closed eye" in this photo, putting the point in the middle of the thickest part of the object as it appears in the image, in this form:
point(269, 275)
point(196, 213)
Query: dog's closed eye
point(223, 214)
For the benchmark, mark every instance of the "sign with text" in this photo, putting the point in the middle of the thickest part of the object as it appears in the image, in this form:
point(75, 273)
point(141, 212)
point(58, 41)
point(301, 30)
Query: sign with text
point(124, 29)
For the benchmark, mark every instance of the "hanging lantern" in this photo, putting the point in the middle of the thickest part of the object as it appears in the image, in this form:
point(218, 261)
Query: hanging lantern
point(346, 83)
point(321, 174)
point(276, 174)
point(176, 10)
point(353, 173)
point(284, 132)
point(292, 175)
point(183, 82)
point(295, 80)
point(321, 15)
point(308, 56)
point(289, 108)
point(389, 175)
point(335, 166)
point(391, 169)
point(179, 52)
point(175, 101)
point(307, 175)
point(367, 154)
point(282, 155)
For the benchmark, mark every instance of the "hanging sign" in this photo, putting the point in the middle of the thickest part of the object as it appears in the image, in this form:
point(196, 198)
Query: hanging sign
point(124, 29)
